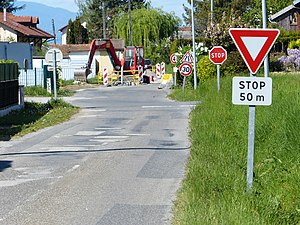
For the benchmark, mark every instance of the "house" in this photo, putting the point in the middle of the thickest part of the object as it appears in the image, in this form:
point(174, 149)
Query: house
point(184, 33)
point(21, 29)
point(289, 17)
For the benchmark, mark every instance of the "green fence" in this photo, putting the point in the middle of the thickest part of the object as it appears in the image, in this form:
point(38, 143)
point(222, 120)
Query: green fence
point(9, 84)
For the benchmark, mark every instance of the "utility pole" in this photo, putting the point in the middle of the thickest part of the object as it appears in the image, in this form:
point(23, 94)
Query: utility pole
point(194, 46)
point(103, 20)
point(130, 23)
point(54, 33)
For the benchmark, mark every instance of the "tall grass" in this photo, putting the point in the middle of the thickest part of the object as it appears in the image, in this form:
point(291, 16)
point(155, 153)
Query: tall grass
point(214, 191)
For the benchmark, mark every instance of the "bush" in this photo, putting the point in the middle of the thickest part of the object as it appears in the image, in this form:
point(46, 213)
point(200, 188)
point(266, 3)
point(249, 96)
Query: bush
point(234, 64)
point(275, 65)
point(206, 69)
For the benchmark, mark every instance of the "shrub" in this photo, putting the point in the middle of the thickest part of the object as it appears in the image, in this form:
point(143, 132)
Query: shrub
point(206, 69)
point(276, 65)
point(291, 62)
point(234, 64)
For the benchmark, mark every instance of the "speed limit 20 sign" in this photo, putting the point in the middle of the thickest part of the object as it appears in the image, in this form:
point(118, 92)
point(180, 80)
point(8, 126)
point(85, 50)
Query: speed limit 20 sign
point(185, 69)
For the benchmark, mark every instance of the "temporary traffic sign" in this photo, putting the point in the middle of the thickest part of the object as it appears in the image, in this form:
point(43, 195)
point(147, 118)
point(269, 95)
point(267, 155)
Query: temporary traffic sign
point(173, 58)
point(218, 55)
point(187, 58)
point(254, 44)
point(185, 69)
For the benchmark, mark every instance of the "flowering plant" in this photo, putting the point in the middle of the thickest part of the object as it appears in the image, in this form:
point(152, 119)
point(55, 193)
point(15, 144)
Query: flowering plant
point(291, 62)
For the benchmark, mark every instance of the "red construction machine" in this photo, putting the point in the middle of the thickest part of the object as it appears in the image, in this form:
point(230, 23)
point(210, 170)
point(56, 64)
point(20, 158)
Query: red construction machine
point(133, 58)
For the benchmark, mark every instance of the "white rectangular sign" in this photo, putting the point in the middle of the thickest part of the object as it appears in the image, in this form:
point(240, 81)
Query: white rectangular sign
point(252, 91)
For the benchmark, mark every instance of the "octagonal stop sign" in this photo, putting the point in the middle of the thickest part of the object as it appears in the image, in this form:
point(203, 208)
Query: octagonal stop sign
point(218, 55)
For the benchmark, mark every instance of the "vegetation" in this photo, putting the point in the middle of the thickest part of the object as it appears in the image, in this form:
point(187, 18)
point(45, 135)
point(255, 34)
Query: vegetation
point(76, 33)
point(214, 190)
point(34, 117)
point(10, 6)
point(91, 12)
point(40, 91)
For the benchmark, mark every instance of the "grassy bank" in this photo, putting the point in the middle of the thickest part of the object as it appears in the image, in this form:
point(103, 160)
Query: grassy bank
point(34, 117)
point(214, 191)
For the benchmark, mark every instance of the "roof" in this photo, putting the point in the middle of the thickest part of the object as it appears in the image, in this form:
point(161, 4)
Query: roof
point(15, 23)
point(294, 5)
point(119, 45)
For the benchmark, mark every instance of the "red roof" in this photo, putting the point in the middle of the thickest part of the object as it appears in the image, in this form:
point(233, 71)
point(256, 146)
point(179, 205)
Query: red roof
point(15, 23)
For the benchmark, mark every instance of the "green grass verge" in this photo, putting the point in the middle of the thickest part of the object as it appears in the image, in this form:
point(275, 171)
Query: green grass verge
point(214, 190)
point(38, 91)
point(34, 117)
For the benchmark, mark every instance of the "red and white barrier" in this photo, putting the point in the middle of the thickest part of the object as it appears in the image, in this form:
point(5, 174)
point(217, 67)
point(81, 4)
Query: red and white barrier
point(158, 71)
point(163, 69)
point(105, 76)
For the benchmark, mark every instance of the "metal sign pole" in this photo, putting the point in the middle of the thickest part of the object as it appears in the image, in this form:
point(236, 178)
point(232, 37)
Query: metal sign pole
point(54, 74)
point(251, 137)
point(218, 77)
point(264, 17)
point(184, 78)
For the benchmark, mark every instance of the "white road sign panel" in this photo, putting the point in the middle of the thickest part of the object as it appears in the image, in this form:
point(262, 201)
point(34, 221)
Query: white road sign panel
point(252, 91)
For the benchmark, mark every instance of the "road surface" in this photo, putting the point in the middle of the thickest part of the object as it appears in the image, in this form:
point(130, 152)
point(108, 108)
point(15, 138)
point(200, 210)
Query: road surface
point(119, 161)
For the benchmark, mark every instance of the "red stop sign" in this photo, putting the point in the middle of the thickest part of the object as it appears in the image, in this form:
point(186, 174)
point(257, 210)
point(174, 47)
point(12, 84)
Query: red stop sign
point(217, 55)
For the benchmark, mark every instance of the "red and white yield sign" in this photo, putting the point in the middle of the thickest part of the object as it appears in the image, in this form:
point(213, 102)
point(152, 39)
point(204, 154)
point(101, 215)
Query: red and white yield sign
point(254, 44)
point(185, 69)
point(218, 55)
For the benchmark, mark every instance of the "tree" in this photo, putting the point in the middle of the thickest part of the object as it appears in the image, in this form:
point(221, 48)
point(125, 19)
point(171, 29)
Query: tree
point(10, 6)
point(76, 33)
point(151, 27)
point(92, 12)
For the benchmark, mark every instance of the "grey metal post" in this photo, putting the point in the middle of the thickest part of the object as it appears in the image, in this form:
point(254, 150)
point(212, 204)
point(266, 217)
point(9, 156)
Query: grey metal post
point(103, 20)
point(54, 74)
point(130, 23)
point(194, 48)
point(218, 77)
point(251, 137)
point(265, 25)
point(212, 10)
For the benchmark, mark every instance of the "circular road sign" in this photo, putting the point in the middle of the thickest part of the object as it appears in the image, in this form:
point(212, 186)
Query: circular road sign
point(49, 57)
point(173, 58)
point(185, 69)
point(218, 55)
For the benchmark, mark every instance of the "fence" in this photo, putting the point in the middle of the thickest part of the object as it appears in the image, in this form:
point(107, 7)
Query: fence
point(9, 87)
point(35, 77)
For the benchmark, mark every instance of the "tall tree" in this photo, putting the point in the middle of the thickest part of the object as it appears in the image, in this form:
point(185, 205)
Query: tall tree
point(76, 33)
point(150, 27)
point(10, 6)
point(92, 12)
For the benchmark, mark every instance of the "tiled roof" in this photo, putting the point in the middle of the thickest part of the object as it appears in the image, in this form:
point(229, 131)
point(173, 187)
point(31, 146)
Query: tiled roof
point(294, 5)
point(15, 23)
point(66, 49)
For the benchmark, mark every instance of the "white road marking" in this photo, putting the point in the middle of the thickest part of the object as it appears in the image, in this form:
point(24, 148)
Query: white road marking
point(108, 128)
point(89, 133)
point(73, 168)
point(157, 106)
point(111, 137)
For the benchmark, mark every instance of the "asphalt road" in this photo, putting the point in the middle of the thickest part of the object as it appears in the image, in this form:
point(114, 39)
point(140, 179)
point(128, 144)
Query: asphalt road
point(119, 161)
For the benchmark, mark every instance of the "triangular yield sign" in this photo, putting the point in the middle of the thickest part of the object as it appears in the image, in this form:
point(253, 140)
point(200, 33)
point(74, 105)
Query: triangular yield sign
point(187, 58)
point(254, 44)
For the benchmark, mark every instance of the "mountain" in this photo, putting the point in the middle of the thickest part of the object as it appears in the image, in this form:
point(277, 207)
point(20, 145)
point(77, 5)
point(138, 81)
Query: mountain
point(46, 14)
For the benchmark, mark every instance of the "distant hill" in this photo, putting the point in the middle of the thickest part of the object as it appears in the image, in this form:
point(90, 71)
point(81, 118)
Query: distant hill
point(46, 14)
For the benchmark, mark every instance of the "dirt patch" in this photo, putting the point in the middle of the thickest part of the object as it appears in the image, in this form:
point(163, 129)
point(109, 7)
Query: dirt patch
point(74, 87)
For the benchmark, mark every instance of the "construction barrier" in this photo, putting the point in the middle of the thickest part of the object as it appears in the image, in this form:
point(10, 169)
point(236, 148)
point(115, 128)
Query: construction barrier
point(130, 77)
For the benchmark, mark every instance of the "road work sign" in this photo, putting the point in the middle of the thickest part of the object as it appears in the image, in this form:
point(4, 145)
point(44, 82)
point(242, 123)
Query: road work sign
point(252, 91)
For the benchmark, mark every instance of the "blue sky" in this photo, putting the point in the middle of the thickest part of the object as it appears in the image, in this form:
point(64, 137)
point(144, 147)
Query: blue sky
point(165, 5)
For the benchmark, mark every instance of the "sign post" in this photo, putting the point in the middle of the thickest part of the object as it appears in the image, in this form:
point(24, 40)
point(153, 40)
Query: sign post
point(185, 70)
point(253, 45)
point(218, 56)
point(173, 60)
point(54, 56)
